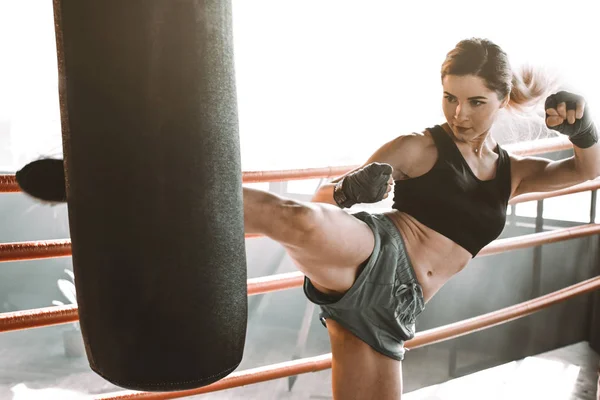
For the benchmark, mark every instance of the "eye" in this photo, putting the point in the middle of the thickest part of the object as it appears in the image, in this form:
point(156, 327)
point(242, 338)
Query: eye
point(451, 99)
point(476, 103)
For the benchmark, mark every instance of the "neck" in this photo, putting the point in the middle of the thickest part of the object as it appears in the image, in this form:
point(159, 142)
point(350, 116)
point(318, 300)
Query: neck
point(476, 144)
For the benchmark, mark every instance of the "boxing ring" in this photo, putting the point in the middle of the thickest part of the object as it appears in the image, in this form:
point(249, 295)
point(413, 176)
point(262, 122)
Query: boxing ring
point(148, 90)
point(42, 317)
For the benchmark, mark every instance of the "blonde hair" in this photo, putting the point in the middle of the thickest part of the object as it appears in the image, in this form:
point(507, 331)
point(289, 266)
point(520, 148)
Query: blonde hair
point(529, 87)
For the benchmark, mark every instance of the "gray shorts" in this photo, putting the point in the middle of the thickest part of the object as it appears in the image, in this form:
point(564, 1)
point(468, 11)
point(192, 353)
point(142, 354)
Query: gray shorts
point(382, 305)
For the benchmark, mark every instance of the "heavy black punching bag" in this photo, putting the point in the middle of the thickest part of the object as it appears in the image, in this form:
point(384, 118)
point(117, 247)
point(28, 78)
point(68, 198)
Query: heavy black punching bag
point(154, 188)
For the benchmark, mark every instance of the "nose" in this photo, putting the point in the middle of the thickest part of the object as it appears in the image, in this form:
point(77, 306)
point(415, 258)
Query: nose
point(461, 113)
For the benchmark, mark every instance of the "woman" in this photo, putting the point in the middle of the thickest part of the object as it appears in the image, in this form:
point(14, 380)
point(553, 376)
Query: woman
point(373, 273)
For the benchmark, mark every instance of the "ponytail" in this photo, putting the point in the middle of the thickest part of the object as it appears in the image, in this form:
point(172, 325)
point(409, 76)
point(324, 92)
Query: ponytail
point(529, 88)
point(525, 119)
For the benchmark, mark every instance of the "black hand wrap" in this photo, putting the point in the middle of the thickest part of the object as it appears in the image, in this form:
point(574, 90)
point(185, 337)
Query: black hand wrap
point(366, 185)
point(583, 132)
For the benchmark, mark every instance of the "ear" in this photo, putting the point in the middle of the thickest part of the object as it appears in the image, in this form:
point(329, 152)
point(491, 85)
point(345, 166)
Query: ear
point(44, 180)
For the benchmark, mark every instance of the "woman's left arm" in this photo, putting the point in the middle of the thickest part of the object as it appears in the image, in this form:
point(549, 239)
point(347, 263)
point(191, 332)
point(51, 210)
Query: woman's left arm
point(567, 114)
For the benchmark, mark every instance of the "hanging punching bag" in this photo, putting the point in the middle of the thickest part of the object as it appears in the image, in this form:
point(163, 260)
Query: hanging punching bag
point(154, 188)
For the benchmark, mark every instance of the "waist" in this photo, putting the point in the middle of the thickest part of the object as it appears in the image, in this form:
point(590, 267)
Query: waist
point(434, 257)
point(470, 218)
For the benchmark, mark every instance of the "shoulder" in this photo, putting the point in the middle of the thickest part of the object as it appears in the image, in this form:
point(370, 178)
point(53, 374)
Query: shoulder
point(407, 152)
point(412, 142)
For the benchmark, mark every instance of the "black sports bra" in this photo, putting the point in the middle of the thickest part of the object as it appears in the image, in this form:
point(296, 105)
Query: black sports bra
point(451, 200)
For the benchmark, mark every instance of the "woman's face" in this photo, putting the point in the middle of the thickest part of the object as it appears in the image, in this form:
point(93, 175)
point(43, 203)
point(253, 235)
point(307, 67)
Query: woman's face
point(469, 106)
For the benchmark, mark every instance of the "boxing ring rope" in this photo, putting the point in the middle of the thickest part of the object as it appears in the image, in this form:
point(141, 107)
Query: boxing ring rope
point(322, 362)
point(65, 314)
point(41, 249)
point(8, 183)
point(503, 315)
point(37, 318)
point(21, 251)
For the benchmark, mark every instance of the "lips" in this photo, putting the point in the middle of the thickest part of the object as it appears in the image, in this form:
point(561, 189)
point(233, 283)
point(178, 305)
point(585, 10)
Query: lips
point(461, 128)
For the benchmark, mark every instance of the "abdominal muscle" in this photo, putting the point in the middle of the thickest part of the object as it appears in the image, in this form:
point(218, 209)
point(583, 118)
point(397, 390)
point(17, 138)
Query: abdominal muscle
point(434, 257)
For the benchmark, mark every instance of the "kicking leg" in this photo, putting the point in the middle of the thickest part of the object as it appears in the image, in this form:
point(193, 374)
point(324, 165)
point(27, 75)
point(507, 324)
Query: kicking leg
point(327, 244)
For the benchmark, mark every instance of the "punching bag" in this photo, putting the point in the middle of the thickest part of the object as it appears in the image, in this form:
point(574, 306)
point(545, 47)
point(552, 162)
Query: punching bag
point(154, 188)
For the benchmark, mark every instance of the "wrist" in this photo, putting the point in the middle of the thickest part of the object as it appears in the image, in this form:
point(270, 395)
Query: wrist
point(585, 139)
point(340, 196)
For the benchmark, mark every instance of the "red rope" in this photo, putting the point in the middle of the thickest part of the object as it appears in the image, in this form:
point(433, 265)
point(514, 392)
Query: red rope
point(58, 315)
point(21, 251)
point(8, 183)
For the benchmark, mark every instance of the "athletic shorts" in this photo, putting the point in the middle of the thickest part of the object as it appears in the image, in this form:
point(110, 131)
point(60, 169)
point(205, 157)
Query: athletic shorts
point(382, 305)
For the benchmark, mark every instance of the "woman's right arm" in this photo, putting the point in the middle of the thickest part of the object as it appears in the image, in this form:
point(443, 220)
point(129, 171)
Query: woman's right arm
point(399, 153)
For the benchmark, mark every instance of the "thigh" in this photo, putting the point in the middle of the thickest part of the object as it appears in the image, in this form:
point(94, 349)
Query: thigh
point(333, 249)
point(358, 371)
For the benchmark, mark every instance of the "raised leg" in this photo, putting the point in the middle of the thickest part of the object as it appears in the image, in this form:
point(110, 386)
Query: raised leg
point(326, 243)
